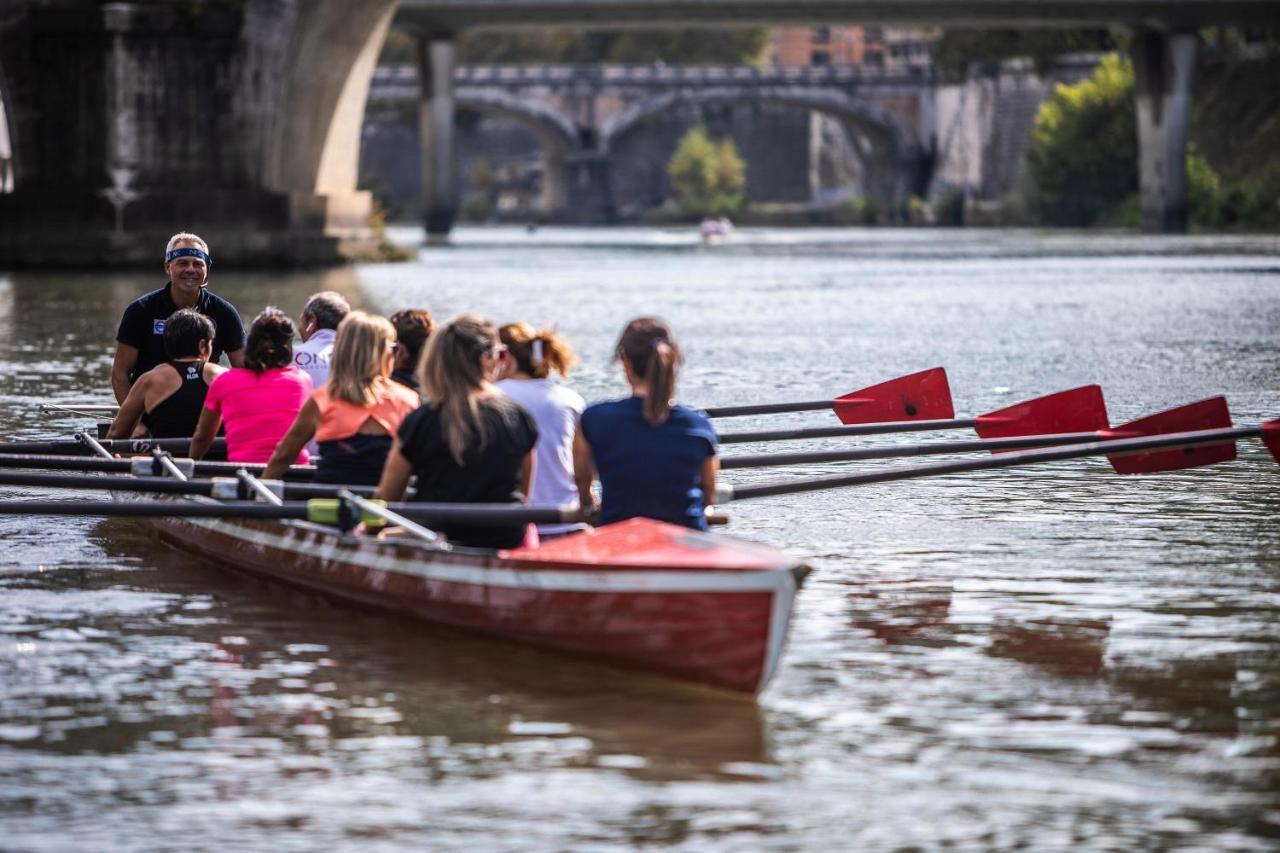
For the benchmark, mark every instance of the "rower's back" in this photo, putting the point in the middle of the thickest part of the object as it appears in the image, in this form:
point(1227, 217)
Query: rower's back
point(168, 399)
point(176, 415)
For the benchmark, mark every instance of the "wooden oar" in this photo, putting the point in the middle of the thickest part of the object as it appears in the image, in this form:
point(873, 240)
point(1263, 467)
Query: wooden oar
point(896, 451)
point(132, 446)
point(87, 409)
point(319, 510)
point(124, 466)
point(164, 485)
point(1127, 456)
point(1205, 414)
point(925, 395)
point(1075, 410)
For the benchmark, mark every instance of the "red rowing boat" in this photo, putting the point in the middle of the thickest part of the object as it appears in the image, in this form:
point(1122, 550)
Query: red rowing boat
point(640, 594)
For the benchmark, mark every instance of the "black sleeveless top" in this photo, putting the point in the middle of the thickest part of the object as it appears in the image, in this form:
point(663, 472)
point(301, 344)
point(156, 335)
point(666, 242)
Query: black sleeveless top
point(176, 415)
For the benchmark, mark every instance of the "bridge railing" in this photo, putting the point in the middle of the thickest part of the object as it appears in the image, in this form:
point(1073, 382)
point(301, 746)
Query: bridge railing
point(389, 80)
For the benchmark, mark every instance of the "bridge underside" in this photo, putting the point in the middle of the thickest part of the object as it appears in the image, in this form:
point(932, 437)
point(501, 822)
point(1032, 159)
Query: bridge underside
point(131, 121)
point(451, 16)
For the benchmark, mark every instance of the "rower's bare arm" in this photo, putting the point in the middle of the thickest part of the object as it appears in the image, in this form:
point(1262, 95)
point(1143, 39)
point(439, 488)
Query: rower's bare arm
point(130, 411)
point(236, 357)
point(206, 429)
point(709, 470)
point(395, 474)
point(126, 357)
point(304, 427)
point(584, 471)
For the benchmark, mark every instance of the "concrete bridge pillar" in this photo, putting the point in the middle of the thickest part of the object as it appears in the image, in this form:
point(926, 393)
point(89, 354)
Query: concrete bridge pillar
point(1163, 65)
point(437, 58)
point(555, 195)
point(590, 188)
point(238, 119)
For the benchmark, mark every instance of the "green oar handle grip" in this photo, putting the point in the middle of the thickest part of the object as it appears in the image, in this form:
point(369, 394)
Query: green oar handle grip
point(325, 511)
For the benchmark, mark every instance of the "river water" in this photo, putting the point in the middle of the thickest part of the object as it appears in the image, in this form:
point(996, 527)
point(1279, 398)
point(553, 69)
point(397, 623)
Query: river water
point(1047, 658)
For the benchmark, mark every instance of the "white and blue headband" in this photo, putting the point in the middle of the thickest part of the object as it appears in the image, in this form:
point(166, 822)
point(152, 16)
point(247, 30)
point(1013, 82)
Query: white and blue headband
point(188, 252)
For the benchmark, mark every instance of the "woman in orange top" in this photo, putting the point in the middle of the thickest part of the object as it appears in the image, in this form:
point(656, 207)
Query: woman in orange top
point(357, 412)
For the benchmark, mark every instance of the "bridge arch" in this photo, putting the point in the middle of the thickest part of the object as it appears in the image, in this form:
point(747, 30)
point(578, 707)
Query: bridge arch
point(895, 149)
point(556, 133)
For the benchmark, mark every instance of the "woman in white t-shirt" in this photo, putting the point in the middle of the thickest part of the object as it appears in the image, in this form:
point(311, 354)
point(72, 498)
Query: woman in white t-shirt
point(534, 356)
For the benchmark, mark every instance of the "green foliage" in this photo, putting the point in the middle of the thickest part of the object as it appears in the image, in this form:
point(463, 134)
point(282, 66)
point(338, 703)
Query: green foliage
point(398, 49)
point(709, 177)
point(1084, 147)
point(1236, 124)
point(860, 210)
point(726, 45)
point(482, 174)
point(477, 208)
point(949, 207)
point(1206, 195)
point(918, 211)
point(956, 50)
point(1083, 158)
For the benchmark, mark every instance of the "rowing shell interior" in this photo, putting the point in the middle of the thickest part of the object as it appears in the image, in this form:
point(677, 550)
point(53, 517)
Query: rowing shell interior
point(1047, 658)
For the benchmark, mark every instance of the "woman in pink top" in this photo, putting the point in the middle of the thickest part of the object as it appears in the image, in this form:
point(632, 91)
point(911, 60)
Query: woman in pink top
point(357, 412)
point(259, 401)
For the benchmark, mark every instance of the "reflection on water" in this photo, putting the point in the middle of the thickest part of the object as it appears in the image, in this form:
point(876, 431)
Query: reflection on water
point(1052, 658)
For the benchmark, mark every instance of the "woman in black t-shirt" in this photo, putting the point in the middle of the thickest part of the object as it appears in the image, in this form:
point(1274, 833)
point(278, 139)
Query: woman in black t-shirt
point(467, 443)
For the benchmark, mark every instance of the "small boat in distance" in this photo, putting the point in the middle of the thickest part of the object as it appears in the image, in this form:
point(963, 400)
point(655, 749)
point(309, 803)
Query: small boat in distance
point(715, 230)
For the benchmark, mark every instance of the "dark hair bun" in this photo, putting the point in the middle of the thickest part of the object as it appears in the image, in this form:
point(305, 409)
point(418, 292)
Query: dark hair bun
point(270, 341)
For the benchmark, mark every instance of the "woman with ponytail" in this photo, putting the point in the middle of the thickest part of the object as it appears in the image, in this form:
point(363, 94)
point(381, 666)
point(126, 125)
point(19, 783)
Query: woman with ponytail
point(467, 443)
point(355, 415)
point(258, 401)
point(534, 356)
point(655, 458)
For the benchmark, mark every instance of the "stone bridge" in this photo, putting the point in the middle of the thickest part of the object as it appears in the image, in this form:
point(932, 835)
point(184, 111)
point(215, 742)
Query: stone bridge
point(582, 115)
point(242, 118)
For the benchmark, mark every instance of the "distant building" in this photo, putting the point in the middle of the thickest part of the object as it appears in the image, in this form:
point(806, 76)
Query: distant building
point(896, 48)
point(816, 46)
point(905, 48)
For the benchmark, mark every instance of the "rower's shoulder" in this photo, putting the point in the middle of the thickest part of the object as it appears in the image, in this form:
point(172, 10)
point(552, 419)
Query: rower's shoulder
point(210, 300)
point(146, 300)
point(212, 370)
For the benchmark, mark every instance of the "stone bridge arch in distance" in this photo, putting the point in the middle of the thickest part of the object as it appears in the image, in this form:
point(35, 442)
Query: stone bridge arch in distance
point(896, 156)
point(556, 134)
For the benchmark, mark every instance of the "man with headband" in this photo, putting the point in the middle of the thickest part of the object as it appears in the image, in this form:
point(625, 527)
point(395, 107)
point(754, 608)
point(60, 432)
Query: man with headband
point(140, 339)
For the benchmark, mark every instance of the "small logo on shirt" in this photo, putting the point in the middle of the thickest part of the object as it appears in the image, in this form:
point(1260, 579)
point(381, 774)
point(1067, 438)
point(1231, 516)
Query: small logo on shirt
point(157, 327)
point(191, 372)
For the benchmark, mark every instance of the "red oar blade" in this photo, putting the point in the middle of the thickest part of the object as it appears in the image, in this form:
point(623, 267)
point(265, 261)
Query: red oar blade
point(1076, 410)
point(1206, 414)
point(1271, 438)
point(923, 396)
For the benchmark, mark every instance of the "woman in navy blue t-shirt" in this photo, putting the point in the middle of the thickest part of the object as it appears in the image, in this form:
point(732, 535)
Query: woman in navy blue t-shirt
point(654, 458)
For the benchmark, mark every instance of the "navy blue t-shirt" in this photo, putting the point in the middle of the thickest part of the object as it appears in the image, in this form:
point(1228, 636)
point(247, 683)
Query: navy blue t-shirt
point(142, 327)
point(646, 470)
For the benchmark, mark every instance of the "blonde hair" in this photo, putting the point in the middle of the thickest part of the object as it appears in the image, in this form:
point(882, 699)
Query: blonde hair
point(537, 352)
point(186, 237)
point(360, 357)
point(451, 372)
